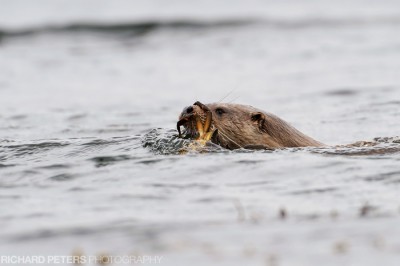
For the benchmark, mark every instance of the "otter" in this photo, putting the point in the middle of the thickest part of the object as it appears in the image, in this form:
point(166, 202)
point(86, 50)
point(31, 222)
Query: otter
point(235, 126)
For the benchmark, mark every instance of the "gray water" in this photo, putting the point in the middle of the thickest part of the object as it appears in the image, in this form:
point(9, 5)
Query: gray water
point(90, 93)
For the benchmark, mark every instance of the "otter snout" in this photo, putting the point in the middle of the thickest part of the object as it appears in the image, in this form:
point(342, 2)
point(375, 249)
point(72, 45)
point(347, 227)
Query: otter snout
point(186, 112)
point(185, 117)
point(196, 119)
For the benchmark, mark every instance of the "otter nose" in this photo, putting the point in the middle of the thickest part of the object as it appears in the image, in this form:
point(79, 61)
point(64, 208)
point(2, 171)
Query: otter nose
point(186, 112)
point(189, 109)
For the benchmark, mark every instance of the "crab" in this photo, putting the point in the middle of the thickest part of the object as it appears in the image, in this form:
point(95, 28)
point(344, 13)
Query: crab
point(197, 120)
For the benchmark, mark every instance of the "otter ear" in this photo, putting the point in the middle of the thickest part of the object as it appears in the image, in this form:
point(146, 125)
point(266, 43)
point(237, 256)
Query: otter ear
point(258, 118)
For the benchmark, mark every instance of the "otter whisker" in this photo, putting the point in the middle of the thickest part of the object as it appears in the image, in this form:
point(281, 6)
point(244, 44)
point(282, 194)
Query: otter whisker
point(226, 136)
point(229, 93)
point(234, 99)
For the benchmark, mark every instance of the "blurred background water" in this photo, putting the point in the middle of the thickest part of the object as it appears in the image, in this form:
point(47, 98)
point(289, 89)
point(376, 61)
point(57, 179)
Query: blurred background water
point(85, 85)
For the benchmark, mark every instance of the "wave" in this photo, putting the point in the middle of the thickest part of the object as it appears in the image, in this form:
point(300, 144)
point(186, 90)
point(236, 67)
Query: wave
point(145, 27)
point(166, 142)
point(137, 28)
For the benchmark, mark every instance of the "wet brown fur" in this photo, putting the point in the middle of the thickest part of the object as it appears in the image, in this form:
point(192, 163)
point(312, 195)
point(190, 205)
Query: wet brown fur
point(242, 126)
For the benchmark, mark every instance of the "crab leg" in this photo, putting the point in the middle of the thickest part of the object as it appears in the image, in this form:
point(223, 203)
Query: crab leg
point(199, 126)
point(209, 135)
point(178, 126)
point(207, 123)
point(204, 130)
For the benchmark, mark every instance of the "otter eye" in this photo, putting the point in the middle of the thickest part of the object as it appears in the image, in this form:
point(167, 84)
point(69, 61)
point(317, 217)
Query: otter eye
point(219, 111)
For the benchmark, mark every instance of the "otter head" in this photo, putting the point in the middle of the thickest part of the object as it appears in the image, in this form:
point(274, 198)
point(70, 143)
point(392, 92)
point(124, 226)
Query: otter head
point(235, 126)
point(231, 126)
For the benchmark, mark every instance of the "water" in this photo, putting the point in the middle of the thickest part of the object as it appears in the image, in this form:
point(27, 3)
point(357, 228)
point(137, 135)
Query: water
point(89, 158)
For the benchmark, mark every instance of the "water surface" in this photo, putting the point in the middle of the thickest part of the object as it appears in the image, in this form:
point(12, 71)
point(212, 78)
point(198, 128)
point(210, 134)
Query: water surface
point(89, 158)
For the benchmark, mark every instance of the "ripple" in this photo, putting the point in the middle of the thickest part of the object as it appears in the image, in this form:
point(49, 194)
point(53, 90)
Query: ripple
point(141, 197)
point(101, 161)
point(10, 197)
point(249, 161)
point(32, 146)
point(181, 186)
point(212, 199)
point(345, 92)
point(161, 141)
point(116, 140)
point(62, 177)
point(142, 28)
point(77, 116)
point(250, 184)
point(313, 191)
point(80, 189)
point(20, 150)
point(18, 117)
point(388, 177)
point(167, 142)
point(95, 145)
point(150, 161)
point(132, 29)
point(383, 146)
point(6, 165)
point(55, 166)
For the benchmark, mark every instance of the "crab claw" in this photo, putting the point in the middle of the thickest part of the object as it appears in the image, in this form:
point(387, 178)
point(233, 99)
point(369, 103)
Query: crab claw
point(178, 126)
point(204, 134)
point(209, 135)
point(207, 123)
point(204, 129)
